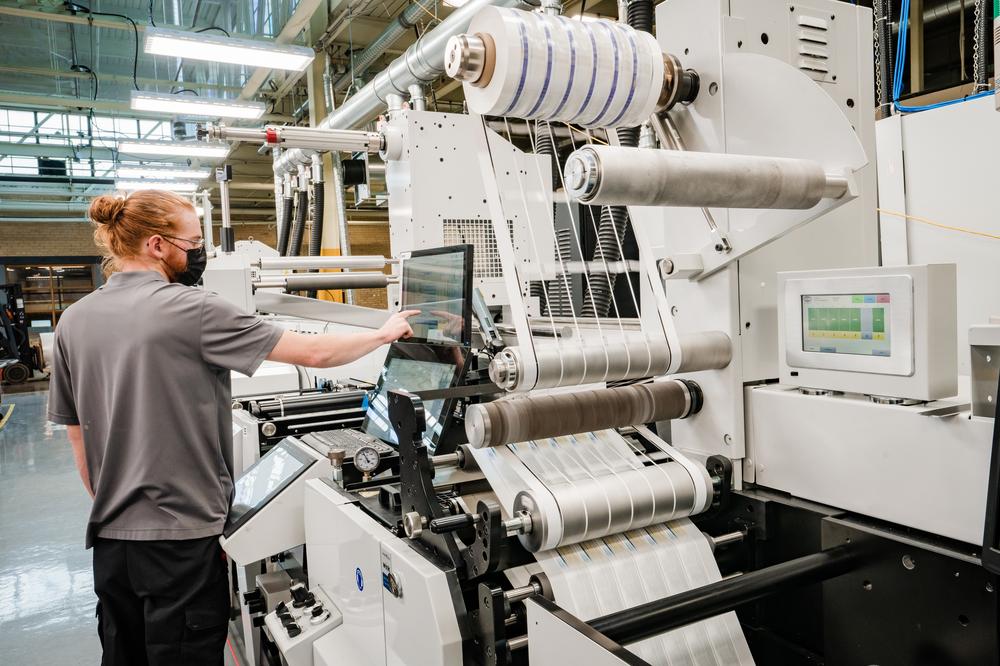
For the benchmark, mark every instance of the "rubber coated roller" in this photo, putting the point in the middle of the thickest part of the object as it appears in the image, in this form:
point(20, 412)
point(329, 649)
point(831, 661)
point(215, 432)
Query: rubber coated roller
point(509, 421)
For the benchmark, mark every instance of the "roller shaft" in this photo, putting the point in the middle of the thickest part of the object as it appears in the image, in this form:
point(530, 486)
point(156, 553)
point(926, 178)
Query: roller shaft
point(305, 263)
point(326, 281)
point(507, 421)
point(609, 175)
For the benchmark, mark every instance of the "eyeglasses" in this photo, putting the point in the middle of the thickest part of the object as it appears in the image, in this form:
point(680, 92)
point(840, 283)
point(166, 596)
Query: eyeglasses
point(194, 243)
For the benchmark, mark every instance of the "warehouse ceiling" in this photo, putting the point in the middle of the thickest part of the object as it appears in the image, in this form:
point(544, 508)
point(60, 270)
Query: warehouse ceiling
point(66, 75)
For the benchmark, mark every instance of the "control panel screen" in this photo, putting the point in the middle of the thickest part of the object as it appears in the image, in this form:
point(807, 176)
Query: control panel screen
point(437, 283)
point(263, 481)
point(410, 375)
point(846, 324)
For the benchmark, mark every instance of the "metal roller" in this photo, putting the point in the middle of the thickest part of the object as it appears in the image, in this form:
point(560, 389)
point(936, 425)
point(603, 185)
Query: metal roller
point(508, 421)
point(597, 507)
point(306, 263)
point(326, 281)
point(608, 175)
point(563, 365)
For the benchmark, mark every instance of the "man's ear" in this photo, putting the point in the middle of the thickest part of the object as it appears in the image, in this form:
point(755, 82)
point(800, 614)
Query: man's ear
point(154, 245)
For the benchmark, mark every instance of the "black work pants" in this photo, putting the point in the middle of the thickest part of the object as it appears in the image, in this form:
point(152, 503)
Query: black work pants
point(161, 603)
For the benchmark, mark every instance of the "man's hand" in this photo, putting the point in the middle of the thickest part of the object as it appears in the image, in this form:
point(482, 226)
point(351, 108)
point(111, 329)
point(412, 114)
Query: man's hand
point(397, 327)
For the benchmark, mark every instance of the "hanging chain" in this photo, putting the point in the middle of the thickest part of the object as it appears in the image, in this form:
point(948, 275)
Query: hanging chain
point(878, 53)
point(976, 46)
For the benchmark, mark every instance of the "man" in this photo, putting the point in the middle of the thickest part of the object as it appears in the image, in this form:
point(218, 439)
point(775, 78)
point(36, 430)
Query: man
point(140, 377)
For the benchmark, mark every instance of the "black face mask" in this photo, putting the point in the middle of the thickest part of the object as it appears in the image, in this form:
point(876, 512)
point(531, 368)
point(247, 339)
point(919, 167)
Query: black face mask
point(196, 260)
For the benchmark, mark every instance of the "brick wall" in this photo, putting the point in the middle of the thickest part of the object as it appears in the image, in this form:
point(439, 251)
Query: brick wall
point(76, 239)
point(46, 239)
point(370, 239)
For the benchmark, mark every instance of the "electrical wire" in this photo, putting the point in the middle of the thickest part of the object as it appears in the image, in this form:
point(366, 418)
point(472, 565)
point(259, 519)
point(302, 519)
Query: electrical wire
point(151, 21)
point(924, 220)
point(232, 651)
point(897, 76)
point(214, 27)
point(75, 8)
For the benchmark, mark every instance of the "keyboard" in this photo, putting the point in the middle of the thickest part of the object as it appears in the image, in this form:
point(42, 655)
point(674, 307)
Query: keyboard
point(347, 439)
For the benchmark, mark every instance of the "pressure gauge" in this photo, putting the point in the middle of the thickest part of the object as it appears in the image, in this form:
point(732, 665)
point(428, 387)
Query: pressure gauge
point(366, 459)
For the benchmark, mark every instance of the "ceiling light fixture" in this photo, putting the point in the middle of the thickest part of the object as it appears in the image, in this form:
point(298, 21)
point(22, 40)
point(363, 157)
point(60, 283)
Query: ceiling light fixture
point(175, 148)
point(216, 48)
point(161, 174)
point(173, 186)
point(195, 106)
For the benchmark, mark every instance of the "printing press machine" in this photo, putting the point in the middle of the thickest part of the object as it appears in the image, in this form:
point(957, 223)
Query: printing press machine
point(776, 460)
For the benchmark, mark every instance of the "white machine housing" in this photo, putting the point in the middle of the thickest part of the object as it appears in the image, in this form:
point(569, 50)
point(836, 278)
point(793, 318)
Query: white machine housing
point(278, 525)
point(921, 365)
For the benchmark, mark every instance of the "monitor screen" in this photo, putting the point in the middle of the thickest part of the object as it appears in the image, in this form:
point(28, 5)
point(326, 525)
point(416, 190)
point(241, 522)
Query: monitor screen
point(846, 324)
point(415, 368)
point(438, 283)
point(264, 480)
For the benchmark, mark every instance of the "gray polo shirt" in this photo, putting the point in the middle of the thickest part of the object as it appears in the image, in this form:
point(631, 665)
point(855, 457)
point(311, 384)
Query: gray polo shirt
point(143, 366)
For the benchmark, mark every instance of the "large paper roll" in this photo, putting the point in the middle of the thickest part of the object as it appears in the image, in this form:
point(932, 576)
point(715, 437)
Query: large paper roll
point(589, 73)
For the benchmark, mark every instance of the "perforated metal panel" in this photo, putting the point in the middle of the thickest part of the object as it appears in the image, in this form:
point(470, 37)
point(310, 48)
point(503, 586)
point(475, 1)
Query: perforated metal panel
point(486, 262)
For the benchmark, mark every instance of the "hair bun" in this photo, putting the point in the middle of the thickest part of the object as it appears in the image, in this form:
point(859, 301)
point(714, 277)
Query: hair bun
point(106, 209)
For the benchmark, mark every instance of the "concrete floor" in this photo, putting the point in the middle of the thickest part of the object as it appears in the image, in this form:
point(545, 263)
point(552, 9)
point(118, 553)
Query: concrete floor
point(46, 586)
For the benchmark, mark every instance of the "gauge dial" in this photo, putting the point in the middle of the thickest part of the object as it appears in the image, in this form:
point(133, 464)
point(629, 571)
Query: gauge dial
point(366, 459)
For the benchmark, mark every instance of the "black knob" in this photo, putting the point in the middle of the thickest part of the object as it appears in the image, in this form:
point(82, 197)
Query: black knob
point(452, 523)
point(299, 592)
point(316, 612)
point(258, 621)
point(250, 597)
point(294, 630)
point(257, 606)
point(282, 606)
point(287, 621)
point(310, 599)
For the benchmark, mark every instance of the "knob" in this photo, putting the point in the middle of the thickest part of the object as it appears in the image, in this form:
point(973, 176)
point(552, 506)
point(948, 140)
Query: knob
point(413, 524)
point(269, 429)
point(294, 631)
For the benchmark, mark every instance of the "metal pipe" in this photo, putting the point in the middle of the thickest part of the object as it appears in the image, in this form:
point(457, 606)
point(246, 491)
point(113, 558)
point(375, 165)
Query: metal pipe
point(607, 175)
point(418, 97)
point(378, 46)
point(423, 61)
point(322, 281)
point(310, 263)
point(517, 643)
point(222, 176)
point(657, 617)
point(206, 217)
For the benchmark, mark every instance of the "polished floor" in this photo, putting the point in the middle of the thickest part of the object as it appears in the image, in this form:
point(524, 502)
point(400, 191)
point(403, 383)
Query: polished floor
point(46, 586)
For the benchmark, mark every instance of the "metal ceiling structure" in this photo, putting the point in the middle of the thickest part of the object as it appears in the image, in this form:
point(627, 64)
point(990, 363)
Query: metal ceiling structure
point(66, 75)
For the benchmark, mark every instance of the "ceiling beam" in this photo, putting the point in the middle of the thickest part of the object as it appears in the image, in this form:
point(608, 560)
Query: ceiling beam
point(116, 78)
point(52, 150)
point(82, 19)
point(122, 108)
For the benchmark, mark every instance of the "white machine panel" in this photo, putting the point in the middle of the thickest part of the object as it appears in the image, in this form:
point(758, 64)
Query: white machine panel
point(298, 650)
point(721, 39)
point(886, 331)
point(891, 462)
point(342, 547)
point(410, 620)
point(271, 492)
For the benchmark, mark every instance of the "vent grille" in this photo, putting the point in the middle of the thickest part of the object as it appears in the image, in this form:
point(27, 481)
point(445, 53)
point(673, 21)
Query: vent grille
point(813, 45)
point(486, 263)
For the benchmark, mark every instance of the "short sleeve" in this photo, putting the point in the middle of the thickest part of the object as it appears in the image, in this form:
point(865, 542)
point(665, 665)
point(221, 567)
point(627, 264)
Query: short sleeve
point(233, 339)
point(62, 403)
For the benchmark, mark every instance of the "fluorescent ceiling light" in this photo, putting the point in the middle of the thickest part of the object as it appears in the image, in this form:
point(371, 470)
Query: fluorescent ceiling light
point(216, 48)
point(161, 174)
point(195, 106)
point(173, 186)
point(175, 148)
